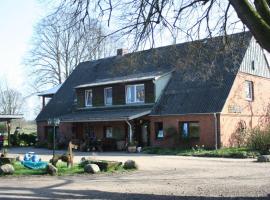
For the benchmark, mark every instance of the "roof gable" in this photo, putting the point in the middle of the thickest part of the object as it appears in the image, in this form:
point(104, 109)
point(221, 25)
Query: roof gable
point(256, 55)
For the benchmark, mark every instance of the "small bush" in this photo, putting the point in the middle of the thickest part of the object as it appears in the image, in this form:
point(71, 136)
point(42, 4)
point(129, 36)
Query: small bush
point(259, 140)
point(239, 136)
point(23, 139)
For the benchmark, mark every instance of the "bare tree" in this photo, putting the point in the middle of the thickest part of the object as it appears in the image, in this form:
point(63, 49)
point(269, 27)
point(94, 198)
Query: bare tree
point(11, 101)
point(146, 18)
point(59, 48)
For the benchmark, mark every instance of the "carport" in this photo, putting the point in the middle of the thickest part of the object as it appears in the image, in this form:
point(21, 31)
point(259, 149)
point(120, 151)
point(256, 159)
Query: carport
point(8, 119)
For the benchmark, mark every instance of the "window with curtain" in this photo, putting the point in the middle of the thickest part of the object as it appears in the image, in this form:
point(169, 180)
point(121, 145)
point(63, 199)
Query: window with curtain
point(189, 129)
point(88, 98)
point(135, 93)
point(159, 130)
point(109, 132)
point(108, 96)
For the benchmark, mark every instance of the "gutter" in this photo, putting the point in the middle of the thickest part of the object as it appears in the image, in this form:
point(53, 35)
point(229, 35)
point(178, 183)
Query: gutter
point(216, 131)
point(130, 131)
point(165, 115)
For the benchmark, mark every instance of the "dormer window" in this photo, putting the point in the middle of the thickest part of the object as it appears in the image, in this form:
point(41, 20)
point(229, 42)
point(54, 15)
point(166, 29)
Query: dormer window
point(135, 94)
point(88, 98)
point(108, 96)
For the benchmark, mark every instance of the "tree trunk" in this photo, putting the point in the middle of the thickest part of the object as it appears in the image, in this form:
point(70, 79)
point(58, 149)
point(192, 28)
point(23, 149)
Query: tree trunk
point(257, 25)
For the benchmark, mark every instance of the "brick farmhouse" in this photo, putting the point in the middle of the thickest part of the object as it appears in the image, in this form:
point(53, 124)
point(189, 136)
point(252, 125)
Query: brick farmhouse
point(193, 93)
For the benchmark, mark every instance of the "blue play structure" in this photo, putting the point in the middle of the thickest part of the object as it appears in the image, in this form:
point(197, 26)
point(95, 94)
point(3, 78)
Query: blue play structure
point(32, 161)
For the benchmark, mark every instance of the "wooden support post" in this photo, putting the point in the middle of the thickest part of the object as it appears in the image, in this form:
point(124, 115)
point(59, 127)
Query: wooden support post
point(8, 130)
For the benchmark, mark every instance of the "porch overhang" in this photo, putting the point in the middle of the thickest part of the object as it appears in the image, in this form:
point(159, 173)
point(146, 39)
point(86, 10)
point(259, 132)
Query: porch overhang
point(105, 115)
point(4, 118)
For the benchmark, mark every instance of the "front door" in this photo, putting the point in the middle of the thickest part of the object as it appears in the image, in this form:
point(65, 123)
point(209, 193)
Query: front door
point(145, 134)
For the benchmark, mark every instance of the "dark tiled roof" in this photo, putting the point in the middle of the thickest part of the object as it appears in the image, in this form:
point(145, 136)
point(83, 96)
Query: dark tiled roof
point(113, 114)
point(204, 71)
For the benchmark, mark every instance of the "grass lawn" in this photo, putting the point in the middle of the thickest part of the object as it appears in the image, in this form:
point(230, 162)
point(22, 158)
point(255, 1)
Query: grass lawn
point(62, 170)
point(20, 170)
point(223, 153)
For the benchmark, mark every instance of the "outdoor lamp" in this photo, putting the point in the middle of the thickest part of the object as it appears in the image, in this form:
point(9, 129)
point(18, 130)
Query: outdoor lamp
point(54, 122)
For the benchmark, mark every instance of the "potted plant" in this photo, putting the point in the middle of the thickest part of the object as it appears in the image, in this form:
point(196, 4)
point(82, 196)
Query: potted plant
point(132, 147)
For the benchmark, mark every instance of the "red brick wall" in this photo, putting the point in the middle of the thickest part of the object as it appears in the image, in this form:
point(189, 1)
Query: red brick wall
point(252, 112)
point(65, 131)
point(207, 130)
point(41, 131)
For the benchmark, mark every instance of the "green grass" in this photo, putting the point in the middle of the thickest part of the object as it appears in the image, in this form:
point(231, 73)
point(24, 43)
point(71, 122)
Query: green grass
point(223, 153)
point(63, 170)
point(21, 170)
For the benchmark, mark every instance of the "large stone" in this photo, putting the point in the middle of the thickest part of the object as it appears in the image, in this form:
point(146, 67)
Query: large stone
point(264, 158)
point(91, 168)
point(52, 170)
point(130, 164)
point(7, 160)
point(104, 165)
point(6, 169)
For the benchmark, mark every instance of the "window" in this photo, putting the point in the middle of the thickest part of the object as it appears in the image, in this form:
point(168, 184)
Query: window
point(159, 130)
point(108, 96)
point(109, 132)
point(249, 90)
point(135, 93)
point(253, 65)
point(88, 98)
point(190, 129)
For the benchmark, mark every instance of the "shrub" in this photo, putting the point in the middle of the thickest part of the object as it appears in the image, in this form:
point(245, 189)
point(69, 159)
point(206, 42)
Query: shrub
point(259, 140)
point(239, 137)
point(28, 139)
point(23, 139)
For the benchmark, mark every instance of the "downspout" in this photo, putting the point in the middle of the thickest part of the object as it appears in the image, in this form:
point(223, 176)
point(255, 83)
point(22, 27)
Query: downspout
point(216, 131)
point(130, 131)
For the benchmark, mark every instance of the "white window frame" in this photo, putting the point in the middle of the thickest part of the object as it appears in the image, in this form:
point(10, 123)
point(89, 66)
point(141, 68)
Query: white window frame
point(105, 96)
point(86, 98)
point(135, 93)
point(249, 85)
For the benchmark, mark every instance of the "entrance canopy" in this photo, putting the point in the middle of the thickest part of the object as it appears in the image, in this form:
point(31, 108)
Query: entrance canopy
point(122, 114)
point(4, 118)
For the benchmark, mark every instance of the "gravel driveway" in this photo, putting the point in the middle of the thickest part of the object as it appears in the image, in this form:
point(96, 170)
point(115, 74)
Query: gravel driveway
point(158, 177)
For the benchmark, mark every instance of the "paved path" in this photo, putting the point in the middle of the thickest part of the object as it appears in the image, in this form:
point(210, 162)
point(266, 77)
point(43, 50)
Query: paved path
point(158, 177)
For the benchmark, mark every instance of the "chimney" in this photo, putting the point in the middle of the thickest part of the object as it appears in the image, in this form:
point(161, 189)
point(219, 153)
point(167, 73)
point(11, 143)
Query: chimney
point(121, 52)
